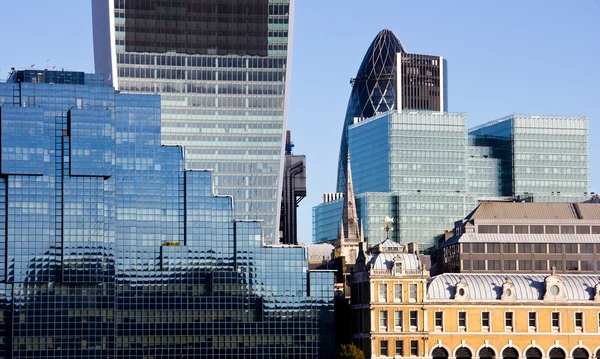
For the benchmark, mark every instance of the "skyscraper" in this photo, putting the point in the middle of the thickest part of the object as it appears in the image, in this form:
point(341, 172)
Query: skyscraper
point(221, 68)
point(109, 248)
point(415, 162)
point(389, 78)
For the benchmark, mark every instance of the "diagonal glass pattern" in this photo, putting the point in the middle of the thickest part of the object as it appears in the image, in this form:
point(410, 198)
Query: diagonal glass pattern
point(373, 89)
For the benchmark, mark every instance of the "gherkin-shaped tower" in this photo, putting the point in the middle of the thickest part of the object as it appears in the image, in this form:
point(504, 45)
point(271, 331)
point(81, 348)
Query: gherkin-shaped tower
point(375, 89)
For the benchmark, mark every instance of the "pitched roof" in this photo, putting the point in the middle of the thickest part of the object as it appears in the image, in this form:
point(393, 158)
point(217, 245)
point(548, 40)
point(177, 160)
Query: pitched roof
point(537, 210)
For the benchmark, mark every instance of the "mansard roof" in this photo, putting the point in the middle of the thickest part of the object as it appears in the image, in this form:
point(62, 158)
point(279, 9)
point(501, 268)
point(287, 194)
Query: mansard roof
point(528, 287)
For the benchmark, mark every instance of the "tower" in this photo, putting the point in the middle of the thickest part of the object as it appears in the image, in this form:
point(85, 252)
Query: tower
point(221, 69)
point(390, 78)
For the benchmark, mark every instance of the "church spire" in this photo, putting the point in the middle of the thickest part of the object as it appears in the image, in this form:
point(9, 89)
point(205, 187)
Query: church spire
point(349, 216)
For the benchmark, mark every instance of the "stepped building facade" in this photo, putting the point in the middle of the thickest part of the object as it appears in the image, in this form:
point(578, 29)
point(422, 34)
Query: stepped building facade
point(111, 248)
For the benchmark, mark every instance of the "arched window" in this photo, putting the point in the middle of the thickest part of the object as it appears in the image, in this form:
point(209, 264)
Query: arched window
point(580, 353)
point(463, 353)
point(557, 353)
point(533, 353)
point(486, 353)
point(439, 353)
point(511, 353)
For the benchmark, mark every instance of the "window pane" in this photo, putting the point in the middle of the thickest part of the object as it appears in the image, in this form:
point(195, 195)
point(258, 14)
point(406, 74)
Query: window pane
point(487, 228)
point(524, 265)
point(536, 229)
point(524, 248)
point(383, 292)
point(539, 248)
point(494, 265)
point(466, 265)
point(506, 229)
point(521, 229)
point(567, 229)
point(493, 248)
point(510, 248)
point(399, 348)
point(583, 229)
point(541, 265)
point(412, 295)
point(510, 265)
point(552, 230)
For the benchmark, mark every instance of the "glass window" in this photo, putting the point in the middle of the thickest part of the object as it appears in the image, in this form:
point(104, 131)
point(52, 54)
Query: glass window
point(414, 348)
point(524, 248)
point(552, 230)
point(462, 321)
point(487, 228)
point(572, 265)
point(567, 229)
point(397, 292)
point(595, 229)
point(383, 319)
point(510, 248)
point(532, 321)
point(510, 264)
point(412, 292)
point(478, 264)
point(485, 321)
point(398, 319)
point(555, 321)
point(524, 265)
point(579, 322)
point(439, 320)
point(478, 247)
point(586, 266)
point(383, 348)
point(556, 264)
point(506, 228)
point(466, 264)
point(414, 321)
point(583, 229)
point(493, 265)
point(540, 248)
point(508, 321)
point(521, 228)
point(541, 265)
point(399, 348)
point(382, 292)
point(493, 247)
point(571, 248)
point(555, 248)
point(536, 229)
point(586, 248)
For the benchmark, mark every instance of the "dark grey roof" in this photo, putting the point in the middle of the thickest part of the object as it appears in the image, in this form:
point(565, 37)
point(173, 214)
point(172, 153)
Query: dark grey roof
point(528, 287)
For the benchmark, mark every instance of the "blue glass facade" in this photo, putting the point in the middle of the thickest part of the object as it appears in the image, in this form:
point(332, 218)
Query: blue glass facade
point(544, 158)
point(221, 70)
point(423, 170)
point(112, 249)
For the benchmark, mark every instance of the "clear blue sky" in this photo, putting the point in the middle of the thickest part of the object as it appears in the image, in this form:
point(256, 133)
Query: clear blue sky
point(534, 56)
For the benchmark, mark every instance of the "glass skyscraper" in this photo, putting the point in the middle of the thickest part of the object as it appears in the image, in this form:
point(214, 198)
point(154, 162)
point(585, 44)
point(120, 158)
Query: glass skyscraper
point(416, 163)
point(112, 249)
point(544, 158)
point(221, 68)
point(389, 78)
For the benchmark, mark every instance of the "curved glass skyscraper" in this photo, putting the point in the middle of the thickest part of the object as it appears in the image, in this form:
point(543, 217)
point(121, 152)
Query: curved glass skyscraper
point(221, 68)
point(376, 88)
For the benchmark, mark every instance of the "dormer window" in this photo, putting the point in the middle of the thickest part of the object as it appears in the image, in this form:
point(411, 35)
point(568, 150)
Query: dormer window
point(398, 266)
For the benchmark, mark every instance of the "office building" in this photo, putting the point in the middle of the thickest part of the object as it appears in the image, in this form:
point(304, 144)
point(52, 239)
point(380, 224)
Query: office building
point(417, 163)
point(544, 158)
point(520, 237)
point(398, 311)
point(376, 88)
point(112, 249)
point(221, 69)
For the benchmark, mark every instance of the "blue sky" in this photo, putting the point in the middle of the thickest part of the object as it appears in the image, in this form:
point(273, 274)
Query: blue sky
point(534, 56)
